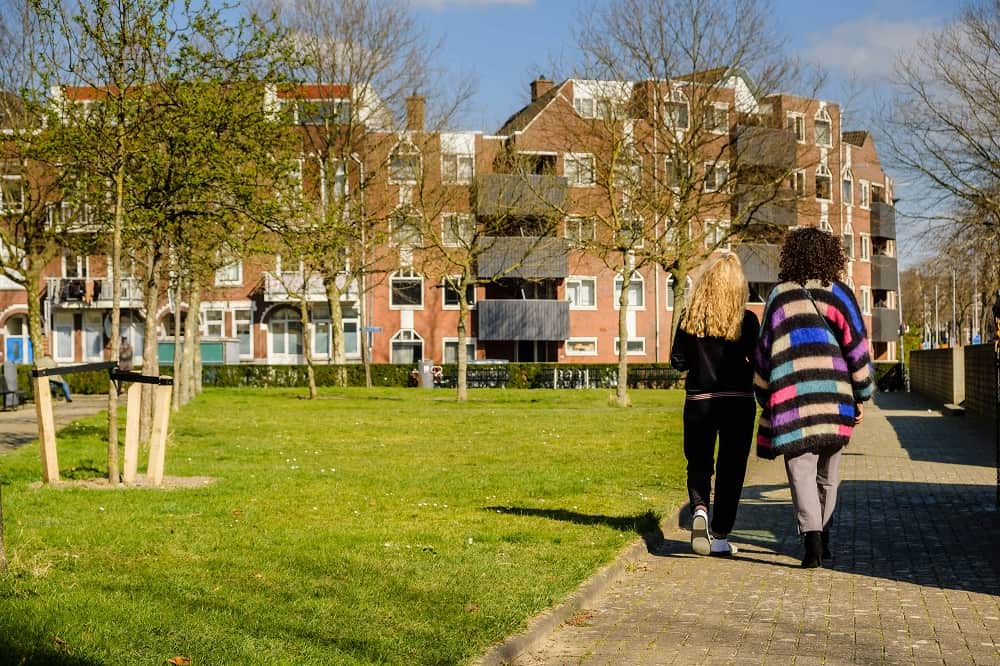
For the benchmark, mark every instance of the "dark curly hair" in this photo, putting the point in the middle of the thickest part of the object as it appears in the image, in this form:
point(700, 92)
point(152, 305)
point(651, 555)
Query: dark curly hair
point(811, 254)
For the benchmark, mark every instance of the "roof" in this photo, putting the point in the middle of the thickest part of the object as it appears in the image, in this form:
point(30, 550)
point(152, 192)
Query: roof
point(523, 118)
point(315, 91)
point(856, 138)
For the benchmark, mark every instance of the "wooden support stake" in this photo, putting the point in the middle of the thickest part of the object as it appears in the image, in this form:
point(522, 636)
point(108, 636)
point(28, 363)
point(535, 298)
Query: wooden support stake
point(158, 445)
point(46, 430)
point(132, 413)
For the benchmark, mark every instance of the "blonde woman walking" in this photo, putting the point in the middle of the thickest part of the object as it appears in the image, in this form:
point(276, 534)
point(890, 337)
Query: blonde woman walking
point(714, 343)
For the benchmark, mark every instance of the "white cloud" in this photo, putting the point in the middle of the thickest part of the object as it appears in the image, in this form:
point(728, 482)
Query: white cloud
point(866, 47)
point(445, 4)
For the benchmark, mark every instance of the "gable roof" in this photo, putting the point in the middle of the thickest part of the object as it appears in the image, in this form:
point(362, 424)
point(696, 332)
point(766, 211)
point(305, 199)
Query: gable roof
point(856, 137)
point(521, 119)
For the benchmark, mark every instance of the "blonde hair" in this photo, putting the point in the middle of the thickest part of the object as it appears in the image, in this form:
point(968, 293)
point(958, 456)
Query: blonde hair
point(718, 301)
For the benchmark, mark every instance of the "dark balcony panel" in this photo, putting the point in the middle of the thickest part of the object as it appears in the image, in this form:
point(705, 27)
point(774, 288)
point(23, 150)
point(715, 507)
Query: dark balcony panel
point(883, 218)
point(885, 325)
point(760, 261)
point(516, 195)
point(523, 320)
point(884, 273)
point(765, 146)
point(780, 210)
point(523, 257)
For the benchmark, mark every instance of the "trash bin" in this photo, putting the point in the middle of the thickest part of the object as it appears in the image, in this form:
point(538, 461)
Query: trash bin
point(426, 373)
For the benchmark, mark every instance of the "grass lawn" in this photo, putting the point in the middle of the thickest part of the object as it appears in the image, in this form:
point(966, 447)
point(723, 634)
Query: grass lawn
point(390, 526)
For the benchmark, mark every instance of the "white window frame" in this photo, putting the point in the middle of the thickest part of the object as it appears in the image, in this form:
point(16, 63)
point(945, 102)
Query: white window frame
point(865, 246)
point(7, 177)
point(457, 229)
point(236, 321)
point(585, 340)
point(796, 123)
point(847, 185)
point(580, 106)
point(823, 116)
point(359, 334)
point(320, 316)
point(573, 173)
point(823, 172)
point(713, 117)
point(220, 322)
point(338, 117)
point(409, 275)
point(797, 181)
point(637, 279)
point(82, 263)
point(669, 300)
point(458, 159)
point(671, 118)
point(470, 346)
point(824, 223)
point(445, 289)
point(848, 232)
point(579, 280)
point(399, 223)
point(864, 194)
point(396, 164)
point(716, 168)
point(714, 231)
point(222, 281)
point(406, 335)
point(630, 341)
point(580, 230)
point(865, 297)
point(61, 333)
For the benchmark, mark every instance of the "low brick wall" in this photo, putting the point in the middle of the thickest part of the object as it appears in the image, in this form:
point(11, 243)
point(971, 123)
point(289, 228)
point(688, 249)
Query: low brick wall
point(938, 374)
point(980, 381)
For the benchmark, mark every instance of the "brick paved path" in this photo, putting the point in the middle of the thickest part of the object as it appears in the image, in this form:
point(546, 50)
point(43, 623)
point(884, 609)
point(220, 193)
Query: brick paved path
point(915, 577)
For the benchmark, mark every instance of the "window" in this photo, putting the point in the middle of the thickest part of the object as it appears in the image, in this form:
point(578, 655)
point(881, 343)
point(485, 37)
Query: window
point(581, 230)
point(716, 175)
point(636, 293)
point(451, 294)
point(866, 300)
point(674, 173)
point(406, 289)
point(676, 111)
point(457, 168)
point(405, 229)
point(848, 239)
point(243, 329)
point(824, 223)
point(230, 275)
point(579, 169)
point(877, 194)
point(322, 111)
point(797, 182)
point(863, 186)
point(11, 187)
point(581, 292)
point(866, 247)
point(633, 347)
point(796, 123)
point(457, 229)
point(717, 118)
point(212, 320)
point(716, 233)
point(62, 329)
point(631, 232)
point(75, 266)
point(404, 164)
point(350, 328)
point(584, 106)
point(581, 347)
point(847, 188)
point(451, 350)
point(824, 183)
point(823, 128)
point(406, 347)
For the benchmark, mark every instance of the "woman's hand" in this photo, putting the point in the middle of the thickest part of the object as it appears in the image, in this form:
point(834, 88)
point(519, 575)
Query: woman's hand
point(859, 409)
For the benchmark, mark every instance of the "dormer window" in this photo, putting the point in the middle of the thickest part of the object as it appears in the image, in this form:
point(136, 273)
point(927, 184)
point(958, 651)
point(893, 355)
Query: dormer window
point(322, 111)
point(584, 106)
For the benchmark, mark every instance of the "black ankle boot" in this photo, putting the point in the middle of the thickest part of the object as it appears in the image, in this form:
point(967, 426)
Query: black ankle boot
point(813, 542)
point(827, 555)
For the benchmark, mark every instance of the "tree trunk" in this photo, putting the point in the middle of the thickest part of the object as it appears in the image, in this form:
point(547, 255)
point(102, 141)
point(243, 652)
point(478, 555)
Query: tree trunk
point(186, 386)
point(337, 356)
point(463, 363)
point(32, 285)
point(621, 391)
point(363, 333)
point(116, 307)
point(175, 395)
point(196, 341)
point(150, 357)
point(307, 348)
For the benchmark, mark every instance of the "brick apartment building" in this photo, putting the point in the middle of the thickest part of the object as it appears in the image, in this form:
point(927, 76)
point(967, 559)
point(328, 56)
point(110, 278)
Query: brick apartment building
point(558, 303)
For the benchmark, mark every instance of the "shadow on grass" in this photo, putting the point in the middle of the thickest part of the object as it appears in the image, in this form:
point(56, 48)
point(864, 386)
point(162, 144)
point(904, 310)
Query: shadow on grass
point(41, 654)
point(646, 525)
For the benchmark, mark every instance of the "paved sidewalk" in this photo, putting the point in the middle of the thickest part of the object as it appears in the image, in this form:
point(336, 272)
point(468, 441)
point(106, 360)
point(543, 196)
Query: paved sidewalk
point(915, 577)
point(20, 426)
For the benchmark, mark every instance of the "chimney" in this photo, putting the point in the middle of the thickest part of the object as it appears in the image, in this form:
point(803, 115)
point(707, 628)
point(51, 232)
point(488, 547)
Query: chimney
point(539, 87)
point(415, 112)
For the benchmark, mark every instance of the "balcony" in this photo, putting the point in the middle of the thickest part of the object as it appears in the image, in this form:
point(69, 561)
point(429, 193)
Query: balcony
point(287, 286)
point(760, 261)
point(884, 273)
point(523, 257)
point(885, 325)
point(779, 211)
point(523, 319)
point(883, 218)
point(517, 195)
point(765, 147)
point(92, 292)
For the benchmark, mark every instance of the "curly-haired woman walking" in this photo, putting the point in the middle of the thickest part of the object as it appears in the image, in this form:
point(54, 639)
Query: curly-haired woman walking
point(714, 342)
point(813, 372)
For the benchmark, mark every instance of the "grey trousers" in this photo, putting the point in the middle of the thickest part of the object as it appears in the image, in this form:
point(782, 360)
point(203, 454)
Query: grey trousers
point(814, 478)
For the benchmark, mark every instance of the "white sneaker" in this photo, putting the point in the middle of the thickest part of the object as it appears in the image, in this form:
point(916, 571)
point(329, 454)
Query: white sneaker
point(722, 548)
point(700, 539)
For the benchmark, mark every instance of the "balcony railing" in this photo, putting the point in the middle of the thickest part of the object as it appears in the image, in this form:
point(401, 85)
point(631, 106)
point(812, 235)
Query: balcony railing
point(780, 210)
point(883, 217)
point(765, 147)
point(884, 273)
point(517, 195)
point(885, 325)
point(523, 257)
point(501, 319)
point(293, 286)
point(92, 292)
point(760, 261)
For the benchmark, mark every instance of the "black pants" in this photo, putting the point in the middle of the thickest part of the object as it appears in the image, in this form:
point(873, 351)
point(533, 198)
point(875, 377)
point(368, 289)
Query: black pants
point(732, 420)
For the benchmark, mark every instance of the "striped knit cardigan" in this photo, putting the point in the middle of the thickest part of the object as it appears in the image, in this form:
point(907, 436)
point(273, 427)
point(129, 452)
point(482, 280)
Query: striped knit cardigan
point(809, 373)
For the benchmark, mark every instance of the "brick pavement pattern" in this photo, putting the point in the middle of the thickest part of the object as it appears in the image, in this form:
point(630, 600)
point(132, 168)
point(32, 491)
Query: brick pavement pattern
point(915, 577)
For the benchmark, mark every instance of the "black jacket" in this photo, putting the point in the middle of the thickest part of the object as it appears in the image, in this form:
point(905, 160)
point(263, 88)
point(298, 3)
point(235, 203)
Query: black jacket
point(717, 364)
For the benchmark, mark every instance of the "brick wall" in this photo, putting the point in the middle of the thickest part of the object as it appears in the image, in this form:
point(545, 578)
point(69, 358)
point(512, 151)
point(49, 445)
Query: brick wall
point(938, 374)
point(980, 381)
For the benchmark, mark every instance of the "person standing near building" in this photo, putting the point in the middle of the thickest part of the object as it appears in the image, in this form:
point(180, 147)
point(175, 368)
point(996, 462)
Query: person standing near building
point(714, 342)
point(46, 363)
point(812, 374)
point(125, 354)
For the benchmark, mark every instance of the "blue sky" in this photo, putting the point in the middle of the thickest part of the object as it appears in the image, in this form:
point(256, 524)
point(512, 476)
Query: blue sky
point(504, 44)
